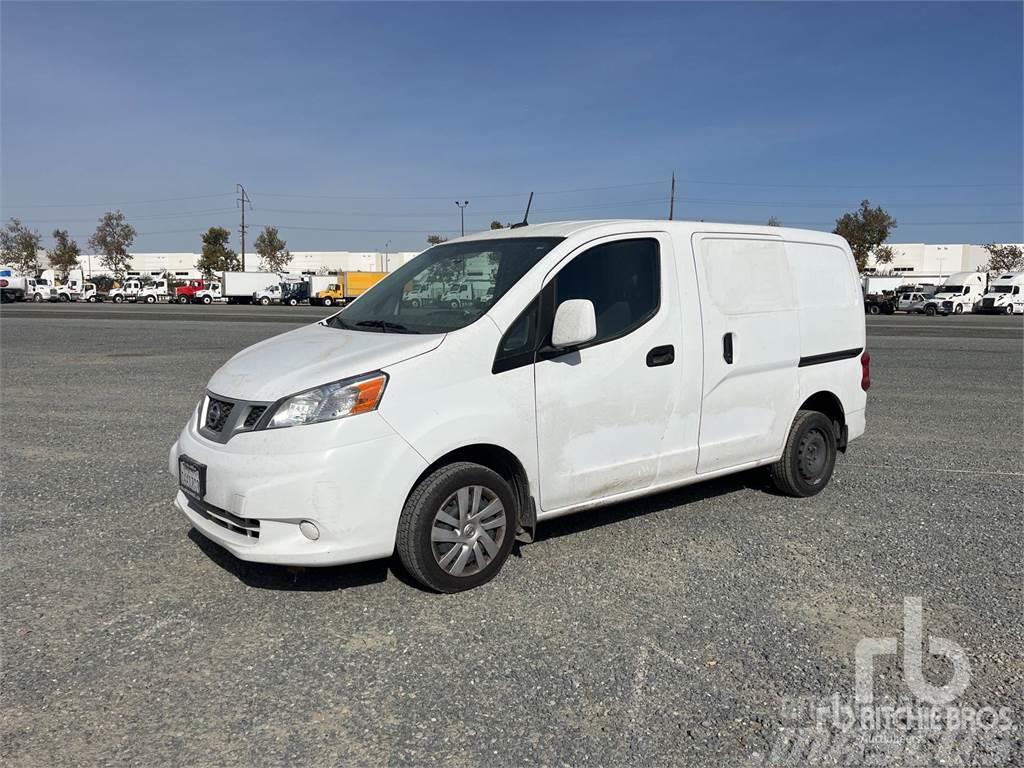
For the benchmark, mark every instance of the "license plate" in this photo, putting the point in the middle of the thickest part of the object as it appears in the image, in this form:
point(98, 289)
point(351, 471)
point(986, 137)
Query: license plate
point(191, 477)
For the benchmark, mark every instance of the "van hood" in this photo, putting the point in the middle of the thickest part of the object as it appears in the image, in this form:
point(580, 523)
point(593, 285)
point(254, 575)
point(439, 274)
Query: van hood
point(310, 356)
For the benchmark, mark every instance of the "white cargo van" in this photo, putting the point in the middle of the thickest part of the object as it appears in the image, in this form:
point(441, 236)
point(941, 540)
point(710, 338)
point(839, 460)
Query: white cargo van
point(614, 359)
point(1005, 295)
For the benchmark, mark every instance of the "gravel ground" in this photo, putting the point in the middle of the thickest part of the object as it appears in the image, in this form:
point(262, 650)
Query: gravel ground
point(675, 630)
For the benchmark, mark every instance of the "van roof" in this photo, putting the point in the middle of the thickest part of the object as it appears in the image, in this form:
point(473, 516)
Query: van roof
point(600, 227)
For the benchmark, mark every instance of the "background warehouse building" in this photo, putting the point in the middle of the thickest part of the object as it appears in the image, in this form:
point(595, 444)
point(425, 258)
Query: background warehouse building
point(916, 260)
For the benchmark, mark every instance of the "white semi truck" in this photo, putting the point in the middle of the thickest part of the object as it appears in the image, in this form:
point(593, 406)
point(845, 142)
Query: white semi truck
point(958, 294)
point(1005, 295)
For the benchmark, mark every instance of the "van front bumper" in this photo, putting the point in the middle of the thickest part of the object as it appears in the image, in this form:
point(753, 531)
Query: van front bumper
point(350, 480)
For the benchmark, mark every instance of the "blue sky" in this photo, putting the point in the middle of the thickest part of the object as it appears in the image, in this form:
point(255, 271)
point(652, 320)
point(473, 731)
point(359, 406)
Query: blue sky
point(352, 125)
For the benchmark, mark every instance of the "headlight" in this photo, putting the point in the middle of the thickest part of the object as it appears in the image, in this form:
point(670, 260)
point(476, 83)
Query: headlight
point(330, 401)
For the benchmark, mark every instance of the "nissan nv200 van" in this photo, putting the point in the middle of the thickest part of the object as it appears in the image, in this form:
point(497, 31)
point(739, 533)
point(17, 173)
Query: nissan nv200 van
point(609, 360)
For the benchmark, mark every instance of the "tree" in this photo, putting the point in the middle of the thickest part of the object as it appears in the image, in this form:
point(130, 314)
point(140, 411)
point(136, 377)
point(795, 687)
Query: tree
point(774, 222)
point(436, 239)
point(64, 254)
point(216, 256)
point(1004, 258)
point(19, 247)
point(865, 230)
point(274, 255)
point(884, 254)
point(112, 238)
point(498, 225)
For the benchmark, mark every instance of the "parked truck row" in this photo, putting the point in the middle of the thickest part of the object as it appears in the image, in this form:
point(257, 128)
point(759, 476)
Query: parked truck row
point(960, 292)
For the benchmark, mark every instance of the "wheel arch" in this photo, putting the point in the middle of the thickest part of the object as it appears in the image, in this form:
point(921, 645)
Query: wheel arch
point(830, 405)
point(506, 464)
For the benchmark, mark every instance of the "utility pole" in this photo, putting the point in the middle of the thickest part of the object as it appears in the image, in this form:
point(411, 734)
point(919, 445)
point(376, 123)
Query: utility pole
point(672, 198)
point(386, 259)
point(243, 200)
point(462, 214)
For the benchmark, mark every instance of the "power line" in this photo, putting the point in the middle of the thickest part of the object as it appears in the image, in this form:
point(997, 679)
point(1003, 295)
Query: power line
point(132, 202)
point(181, 215)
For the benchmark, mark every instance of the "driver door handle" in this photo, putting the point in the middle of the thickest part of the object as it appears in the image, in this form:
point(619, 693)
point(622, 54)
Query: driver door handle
point(664, 355)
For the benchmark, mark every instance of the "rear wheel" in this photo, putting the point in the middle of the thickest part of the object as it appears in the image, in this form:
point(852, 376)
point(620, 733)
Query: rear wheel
point(809, 457)
point(457, 527)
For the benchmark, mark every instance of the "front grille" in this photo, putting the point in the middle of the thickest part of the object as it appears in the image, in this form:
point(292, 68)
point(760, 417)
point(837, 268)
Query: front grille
point(947, 305)
point(243, 526)
point(217, 412)
point(988, 302)
point(253, 416)
point(222, 419)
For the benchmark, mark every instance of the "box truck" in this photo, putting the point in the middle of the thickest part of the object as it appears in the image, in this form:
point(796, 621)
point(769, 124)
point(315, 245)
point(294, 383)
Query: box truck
point(349, 286)
point(238, 287)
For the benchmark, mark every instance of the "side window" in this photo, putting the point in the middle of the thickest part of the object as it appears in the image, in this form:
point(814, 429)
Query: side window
point(621, 278)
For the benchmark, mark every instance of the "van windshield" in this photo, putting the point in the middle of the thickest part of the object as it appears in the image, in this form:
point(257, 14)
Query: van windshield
point(428, 294)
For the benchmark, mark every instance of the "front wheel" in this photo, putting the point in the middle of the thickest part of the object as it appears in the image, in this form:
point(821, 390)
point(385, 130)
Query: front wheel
point(1009, 309)
point(264, 301)
point(151, 299)
point(207, 300)
point(92, 299)
point(930, 311)
point(457, 527)
point(809, 457)
point(183, 299)
point(328, 302)
point(959, 309)
point(293, 302)
point(37, 298)
point(874, 309)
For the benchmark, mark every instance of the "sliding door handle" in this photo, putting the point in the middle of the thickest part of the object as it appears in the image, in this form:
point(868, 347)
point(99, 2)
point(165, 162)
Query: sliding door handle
point(727, 348)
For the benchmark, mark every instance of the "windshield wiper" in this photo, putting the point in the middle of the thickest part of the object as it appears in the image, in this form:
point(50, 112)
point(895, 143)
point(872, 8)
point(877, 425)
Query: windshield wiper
point(384, 326)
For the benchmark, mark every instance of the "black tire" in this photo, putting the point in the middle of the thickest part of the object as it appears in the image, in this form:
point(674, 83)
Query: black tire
point(809, 457)
point(328, 301)
point(874, 309)
point(37, 298)
point(207, 300)
point(118, 299)
point(415, 303)
point(413, 542)
point(92, 299)
point(64, 298)
point(454, 304)
point(183, 299)
point(151, 299)
point(1009, 309)
point(930, 311)
point(293, 302)
point(264, 301)
point(959, 309)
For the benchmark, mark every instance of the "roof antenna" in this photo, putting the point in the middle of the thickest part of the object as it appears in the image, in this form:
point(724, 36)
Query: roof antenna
point(526, 216)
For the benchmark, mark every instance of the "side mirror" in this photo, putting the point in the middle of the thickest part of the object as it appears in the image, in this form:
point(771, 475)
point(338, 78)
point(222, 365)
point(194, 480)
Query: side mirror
point(575, 323)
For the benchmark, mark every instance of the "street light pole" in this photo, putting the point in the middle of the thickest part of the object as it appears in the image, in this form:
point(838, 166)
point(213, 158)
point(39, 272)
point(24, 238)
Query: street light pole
point(386, 259)
point(462, 214)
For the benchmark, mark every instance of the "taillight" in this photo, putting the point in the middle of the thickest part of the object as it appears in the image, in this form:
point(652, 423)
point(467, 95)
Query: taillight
point(865, 371)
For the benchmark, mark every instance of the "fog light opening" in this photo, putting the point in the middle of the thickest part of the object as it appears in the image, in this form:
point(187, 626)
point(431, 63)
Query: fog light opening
point(309, 530)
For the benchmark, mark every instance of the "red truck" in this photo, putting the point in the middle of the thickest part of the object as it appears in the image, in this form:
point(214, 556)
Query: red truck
point(185, 293)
